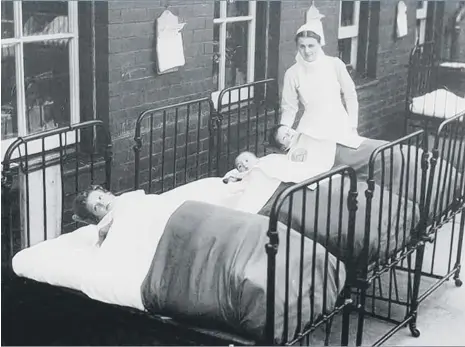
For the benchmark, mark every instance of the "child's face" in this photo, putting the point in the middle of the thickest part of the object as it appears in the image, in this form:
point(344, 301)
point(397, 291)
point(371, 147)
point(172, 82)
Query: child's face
point(99, 203)
point(284, 136)
point(245, 161)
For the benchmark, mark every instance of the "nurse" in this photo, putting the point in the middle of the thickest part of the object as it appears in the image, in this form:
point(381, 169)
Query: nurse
point(317, 81)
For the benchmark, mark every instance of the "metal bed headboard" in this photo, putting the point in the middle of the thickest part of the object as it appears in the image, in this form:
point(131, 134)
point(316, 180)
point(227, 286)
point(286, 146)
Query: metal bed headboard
point(246, 113)
point(41, 175)
point(180, 146)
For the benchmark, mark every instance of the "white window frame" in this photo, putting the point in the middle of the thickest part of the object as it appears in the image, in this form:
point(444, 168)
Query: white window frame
point(420, 31)
point(18, 42)
point(350, 32)
point(222, 21)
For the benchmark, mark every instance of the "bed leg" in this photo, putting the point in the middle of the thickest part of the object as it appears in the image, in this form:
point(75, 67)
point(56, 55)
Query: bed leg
point(361, 317)
point(458, 281)
point(415, 290)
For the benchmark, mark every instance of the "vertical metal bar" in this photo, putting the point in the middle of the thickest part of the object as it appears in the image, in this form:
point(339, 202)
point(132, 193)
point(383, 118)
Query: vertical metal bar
point(315, 240)
point(151, 152)
point(28, 214)
point(176, 116)
point(76, 167)
point(301, 265)
point(93, 149)
point(62, 181)
point(44, 187)
point(238, 129)
point(163, 153)
point(199, 121)
point(186, 142)
point(286, 284)
point(229, 133)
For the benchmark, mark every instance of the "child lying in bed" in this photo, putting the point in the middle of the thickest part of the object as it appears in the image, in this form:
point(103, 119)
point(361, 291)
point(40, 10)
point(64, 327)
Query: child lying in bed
point(94, 206)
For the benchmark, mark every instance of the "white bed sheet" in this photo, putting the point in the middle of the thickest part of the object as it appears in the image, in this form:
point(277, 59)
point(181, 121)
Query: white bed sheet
point(439, 103)
point(114, 272)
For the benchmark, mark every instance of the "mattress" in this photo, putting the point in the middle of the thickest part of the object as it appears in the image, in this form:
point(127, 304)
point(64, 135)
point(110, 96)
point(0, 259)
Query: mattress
point(439, 103)
point(113, 273)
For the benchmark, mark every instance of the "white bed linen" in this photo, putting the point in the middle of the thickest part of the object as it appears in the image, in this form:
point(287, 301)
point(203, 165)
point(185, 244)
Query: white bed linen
point(439, 103)
point(114, 272)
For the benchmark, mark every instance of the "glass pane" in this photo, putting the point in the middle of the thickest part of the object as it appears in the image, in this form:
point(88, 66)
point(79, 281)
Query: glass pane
point(9, 120)
point(45, 17)
point(216, 55)
point(46, 72)
point(237, 8)
point(216, 10)
point(420, 4)
point(345, 48)
point(8, 30)
point(236, 54)
point(347, 13)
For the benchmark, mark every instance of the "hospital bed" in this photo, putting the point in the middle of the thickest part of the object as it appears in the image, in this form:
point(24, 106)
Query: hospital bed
point(431, 95)
point(60, 283)
point(407, 189)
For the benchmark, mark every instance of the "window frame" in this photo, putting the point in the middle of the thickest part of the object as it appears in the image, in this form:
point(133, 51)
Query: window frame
point(421, 17)
point(18, 42)
point(222, 21)
point(350, 32)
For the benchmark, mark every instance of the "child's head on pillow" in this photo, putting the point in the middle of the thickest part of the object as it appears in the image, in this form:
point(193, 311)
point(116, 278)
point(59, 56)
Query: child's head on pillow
point(245, 161)
point(92, 204)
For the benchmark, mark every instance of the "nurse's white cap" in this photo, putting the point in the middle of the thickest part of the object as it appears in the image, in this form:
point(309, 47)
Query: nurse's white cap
point(313, 23)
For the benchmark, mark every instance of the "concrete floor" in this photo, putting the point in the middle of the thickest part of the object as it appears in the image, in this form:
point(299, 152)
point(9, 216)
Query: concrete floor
point(441, 319)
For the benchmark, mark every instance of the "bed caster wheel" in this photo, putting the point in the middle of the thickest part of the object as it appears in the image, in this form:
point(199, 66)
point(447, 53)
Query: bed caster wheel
point(415, 332)
point(458, 282)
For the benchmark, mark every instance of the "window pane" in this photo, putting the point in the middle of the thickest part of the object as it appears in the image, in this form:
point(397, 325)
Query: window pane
point(420, 4)
point(9, 120)
point(216, 10)
point(236, 54)
point(347, 13)
point(45, 17)
point(345, 48)
point(46, 70)
point(238, 8)
point(8, 30)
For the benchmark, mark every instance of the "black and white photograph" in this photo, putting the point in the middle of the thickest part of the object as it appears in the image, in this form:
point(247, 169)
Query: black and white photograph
point(232, 173)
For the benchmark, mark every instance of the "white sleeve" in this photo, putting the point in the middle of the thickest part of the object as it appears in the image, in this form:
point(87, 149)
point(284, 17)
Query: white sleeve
point(348, 90)
point(289, 99)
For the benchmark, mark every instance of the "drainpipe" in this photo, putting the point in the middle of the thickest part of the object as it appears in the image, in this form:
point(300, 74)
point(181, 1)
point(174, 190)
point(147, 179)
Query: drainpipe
point(458, 17)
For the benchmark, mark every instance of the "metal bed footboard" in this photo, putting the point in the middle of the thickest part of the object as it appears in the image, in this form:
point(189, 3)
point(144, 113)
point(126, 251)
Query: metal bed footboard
point(397, 175)
point(342, 178)
point(445, 204)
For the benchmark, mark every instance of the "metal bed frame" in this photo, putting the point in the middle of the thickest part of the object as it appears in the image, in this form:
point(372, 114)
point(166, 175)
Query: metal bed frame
point(202, 142)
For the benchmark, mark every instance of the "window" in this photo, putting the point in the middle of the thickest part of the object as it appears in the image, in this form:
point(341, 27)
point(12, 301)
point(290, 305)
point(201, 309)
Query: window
point(421, 15)
point(233, 44)
point(40, 67)
point(349, 14)
point(358, 36)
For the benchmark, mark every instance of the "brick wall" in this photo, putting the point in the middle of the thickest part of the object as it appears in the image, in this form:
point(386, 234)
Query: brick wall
point(134, 85)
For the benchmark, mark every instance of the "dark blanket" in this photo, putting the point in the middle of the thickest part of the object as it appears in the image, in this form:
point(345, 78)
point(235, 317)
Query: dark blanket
point(388, 231)
point(211, 266)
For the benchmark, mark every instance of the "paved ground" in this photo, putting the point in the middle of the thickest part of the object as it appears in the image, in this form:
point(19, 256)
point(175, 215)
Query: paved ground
point(441, 316)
